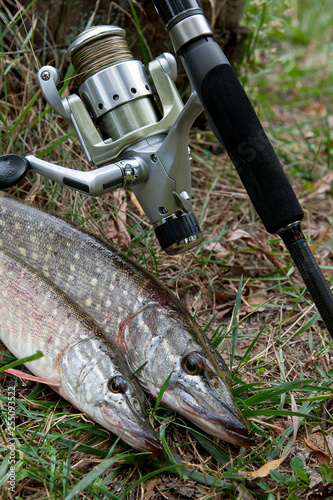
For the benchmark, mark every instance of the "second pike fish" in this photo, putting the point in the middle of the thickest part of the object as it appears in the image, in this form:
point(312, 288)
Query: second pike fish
point(157, 336)
point(78, 361)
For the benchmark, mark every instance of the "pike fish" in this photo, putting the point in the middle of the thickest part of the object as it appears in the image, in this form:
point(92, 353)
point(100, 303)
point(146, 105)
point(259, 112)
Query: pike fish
point(78, 362)
point(156, 335)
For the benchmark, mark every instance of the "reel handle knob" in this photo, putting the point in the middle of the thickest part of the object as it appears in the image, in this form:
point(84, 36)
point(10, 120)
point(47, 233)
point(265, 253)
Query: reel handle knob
point(12, 169)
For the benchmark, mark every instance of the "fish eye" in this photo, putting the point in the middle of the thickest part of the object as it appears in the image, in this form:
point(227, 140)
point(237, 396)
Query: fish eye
point(193, 363)
point(117, 385)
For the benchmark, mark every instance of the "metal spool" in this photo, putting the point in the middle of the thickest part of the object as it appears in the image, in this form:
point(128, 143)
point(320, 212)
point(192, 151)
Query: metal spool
point(113, 86)
point(98, 48)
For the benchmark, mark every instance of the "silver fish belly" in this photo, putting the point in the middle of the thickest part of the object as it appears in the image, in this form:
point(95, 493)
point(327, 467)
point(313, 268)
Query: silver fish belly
point(78, 362)
point(155, 333)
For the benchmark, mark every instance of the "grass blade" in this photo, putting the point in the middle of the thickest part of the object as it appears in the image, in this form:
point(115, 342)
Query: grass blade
point(235, 322)
point(18, 362)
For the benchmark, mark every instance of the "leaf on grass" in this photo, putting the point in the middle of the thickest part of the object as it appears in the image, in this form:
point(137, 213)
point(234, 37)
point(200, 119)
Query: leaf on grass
point(117, 230)
point(265, 469)
point(320, 239)
point(324, 184)
point(223, 313)
point(295, 418)
point(255, 297)
point(270, 256)
point(219, 251)
point(321, 186)
point(135, 203)
point(238, 234)
point(316, 109)
point(150, 486)
point(321, 456)
point(223, 298)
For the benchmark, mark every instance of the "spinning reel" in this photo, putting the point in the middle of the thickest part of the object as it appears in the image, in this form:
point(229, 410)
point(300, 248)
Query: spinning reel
point(132, 126)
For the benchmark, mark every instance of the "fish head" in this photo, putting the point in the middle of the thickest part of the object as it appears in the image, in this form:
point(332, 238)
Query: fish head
point(200, 391)
point(168, 345)
point(97, 381)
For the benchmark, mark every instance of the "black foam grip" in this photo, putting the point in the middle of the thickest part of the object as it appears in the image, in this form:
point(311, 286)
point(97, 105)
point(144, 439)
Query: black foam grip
point(236, 125)
point(249, 149)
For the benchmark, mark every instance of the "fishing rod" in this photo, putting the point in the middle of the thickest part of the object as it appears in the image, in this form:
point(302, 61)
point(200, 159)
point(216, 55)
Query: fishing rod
point(237, 127)
point(134, 128)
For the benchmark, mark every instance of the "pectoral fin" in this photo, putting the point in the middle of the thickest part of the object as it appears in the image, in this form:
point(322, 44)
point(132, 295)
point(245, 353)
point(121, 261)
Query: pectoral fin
point(28, 376)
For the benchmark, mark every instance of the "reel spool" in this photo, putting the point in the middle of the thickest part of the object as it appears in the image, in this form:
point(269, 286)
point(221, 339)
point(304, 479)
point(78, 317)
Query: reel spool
point(116, 106)
point(114, 87)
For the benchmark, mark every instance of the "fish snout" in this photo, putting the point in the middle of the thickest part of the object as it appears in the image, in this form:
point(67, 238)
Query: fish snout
point(148, 442)
point(237, 431)
point(133, 429)
point(218, 416)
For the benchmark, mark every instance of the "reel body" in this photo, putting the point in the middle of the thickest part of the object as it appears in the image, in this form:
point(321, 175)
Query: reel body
point(133, 126)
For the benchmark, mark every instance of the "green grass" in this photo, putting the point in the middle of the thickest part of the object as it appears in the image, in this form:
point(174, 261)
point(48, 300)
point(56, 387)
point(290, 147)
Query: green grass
point(241, 286)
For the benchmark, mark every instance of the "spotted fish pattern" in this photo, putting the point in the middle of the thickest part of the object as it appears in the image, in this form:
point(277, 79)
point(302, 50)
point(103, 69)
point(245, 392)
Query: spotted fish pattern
point(78, 362)
point(157, 336)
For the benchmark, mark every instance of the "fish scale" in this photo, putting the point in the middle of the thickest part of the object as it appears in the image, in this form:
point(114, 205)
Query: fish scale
point(157, 336)
point(77, 361)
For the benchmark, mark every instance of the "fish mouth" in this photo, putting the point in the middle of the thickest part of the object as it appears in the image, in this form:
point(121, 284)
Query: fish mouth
point(135, 431)
point(223, 422)
point(143, 443)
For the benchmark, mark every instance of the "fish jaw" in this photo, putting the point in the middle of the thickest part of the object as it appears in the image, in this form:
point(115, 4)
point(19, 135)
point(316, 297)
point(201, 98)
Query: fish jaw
point(87, 369)
point(217, 418)
point(135, 431)
point(156, 344)
point(206, 399)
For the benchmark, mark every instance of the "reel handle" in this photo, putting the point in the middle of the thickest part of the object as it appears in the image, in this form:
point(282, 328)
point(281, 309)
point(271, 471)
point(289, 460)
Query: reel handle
point(12, 169)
